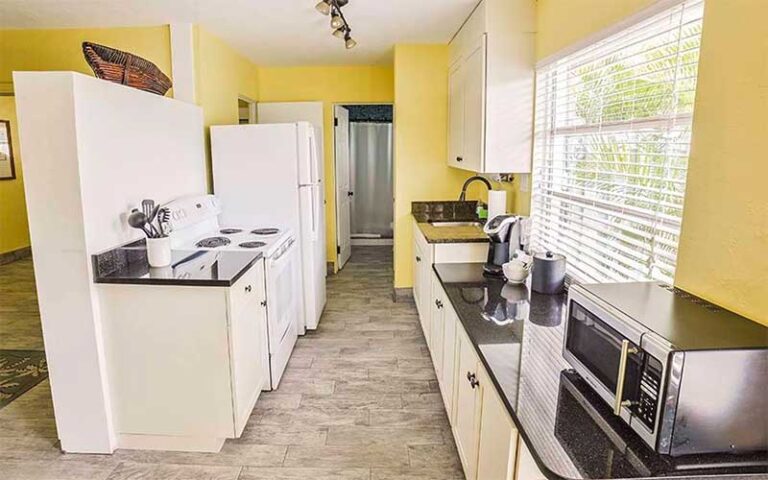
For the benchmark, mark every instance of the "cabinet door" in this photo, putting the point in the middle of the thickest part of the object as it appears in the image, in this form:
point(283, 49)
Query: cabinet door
point(469, 397)
point(418, 259)
point(436, 328)
point(456, 116)
point(448, 370)
point(498, 438)
point(425, 279)
point(248, 354)
point(474, 107)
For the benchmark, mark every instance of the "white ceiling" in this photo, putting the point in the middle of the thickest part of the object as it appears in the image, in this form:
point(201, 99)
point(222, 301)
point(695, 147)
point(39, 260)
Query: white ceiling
point(269, 32)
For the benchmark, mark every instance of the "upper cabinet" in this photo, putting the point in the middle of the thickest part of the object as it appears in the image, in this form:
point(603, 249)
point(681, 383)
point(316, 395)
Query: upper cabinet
point(491, 91)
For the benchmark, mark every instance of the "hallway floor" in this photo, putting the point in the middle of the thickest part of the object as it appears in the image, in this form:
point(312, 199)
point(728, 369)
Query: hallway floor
point(359, 400)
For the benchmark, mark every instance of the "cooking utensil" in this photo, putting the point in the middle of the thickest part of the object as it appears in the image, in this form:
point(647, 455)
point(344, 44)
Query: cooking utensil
point(548, 273)
point(163, 219)
point(148, 207)
point(138, 220)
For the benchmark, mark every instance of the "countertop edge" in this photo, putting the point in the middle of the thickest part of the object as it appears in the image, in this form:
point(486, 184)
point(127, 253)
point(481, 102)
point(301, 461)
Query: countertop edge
point(551, 475)
point(444, 241)
point(176, 282)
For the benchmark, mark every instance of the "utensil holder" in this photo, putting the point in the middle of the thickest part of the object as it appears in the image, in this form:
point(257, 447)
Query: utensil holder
point(159, 251)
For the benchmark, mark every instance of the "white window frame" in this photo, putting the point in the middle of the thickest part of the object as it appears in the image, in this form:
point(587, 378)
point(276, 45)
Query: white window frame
point(611, 226)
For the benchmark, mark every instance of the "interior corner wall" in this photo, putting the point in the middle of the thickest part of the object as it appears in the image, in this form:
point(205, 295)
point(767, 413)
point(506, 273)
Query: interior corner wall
point(56, 50)
point(331, 85)
point(421, 142)
point(722, 253)
point(222, 75)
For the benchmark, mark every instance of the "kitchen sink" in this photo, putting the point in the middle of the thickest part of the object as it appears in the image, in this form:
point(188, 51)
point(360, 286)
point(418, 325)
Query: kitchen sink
point(456, 224)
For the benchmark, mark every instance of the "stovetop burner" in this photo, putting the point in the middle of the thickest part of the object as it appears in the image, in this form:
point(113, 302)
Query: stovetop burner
point(266, 231)
point(213, 242)
point(230, 231)
point(252, 244)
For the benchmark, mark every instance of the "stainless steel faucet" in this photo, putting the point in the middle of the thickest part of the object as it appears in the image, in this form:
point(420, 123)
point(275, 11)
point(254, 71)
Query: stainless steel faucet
point(463, 196)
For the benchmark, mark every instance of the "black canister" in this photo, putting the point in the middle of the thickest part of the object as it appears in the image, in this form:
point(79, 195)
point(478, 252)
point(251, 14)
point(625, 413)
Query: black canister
point(548, 275)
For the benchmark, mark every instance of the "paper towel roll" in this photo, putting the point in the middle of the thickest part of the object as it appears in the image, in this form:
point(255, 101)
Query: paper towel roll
point(497, 203)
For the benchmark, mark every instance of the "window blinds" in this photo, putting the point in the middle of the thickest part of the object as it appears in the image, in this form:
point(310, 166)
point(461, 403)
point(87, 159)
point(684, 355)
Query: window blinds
point(612, 138)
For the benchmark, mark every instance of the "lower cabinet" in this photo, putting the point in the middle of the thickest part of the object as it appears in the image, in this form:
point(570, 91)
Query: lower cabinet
point(497, 449)
point(486, 437)
point(468, 404)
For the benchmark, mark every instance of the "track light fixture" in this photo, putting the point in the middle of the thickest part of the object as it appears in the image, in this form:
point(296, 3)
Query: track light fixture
point(324, 7)
point(341, 28)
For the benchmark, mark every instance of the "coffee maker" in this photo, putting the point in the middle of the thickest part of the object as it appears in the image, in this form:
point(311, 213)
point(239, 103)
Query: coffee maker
point(504, 232)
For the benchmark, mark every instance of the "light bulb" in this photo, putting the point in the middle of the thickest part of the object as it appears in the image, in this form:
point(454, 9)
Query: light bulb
point(336, 21)
point(323, 7)
point(350, 43)
point(340, 32)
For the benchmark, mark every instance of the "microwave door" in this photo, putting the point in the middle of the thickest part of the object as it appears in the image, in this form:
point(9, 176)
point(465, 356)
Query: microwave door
point(604, 356)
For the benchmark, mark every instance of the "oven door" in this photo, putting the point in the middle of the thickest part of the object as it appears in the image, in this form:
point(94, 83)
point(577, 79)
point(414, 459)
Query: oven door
point(604, 349)
point(284, 306)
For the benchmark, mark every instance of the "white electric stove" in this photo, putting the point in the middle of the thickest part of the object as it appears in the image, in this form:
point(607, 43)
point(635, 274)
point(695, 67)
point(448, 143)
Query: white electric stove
point(195, 227)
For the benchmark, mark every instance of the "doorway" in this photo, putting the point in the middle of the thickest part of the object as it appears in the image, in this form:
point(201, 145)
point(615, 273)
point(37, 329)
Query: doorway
point(363, 136)
point(246, 110)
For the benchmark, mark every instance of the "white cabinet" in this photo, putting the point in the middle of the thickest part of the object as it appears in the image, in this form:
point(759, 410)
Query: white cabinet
point(498, 437)
point(422, 278)
point(491, 89)
point(468, 402)
point(437, 327)
point(186, 369)
point(249, 355)
point(447, 374)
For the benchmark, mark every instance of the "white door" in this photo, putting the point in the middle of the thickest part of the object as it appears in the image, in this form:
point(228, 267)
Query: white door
point(456, 116)
point(343, 188)
point(474, 108)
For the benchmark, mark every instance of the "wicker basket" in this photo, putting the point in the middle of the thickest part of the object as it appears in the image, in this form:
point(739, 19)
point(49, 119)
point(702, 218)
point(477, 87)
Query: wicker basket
point(125, 68)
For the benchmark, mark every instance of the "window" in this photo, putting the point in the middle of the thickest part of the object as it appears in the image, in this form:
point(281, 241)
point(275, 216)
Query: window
point(612, 138)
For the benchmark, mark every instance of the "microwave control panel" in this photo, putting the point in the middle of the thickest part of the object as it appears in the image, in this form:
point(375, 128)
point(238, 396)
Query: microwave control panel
point(648, 393)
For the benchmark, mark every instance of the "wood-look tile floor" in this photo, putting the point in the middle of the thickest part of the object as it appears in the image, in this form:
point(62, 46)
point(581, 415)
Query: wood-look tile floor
point(359, 400)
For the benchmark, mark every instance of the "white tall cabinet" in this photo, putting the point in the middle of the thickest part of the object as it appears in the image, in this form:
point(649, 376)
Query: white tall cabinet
point(491, 79)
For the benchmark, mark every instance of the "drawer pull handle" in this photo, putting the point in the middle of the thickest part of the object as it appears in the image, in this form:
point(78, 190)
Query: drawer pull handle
point(248, 289)
point(473, 381)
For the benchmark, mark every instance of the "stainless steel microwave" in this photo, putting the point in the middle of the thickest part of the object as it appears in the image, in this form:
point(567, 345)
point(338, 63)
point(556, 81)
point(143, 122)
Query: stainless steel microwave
point(685, 375)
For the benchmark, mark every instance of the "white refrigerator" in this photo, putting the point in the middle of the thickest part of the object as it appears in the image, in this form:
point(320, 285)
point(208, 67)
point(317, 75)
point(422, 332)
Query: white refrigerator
point(270, 175)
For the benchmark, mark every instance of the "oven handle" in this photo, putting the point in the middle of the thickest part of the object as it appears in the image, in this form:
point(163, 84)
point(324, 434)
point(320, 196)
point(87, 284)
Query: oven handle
point(288, 246)
point(619, 402)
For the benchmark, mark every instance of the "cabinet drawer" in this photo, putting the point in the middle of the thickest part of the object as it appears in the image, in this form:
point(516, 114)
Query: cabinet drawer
point(249, 288)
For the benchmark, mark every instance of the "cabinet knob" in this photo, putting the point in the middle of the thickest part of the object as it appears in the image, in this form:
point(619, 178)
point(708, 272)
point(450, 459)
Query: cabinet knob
point(439, 304)
point(459, 159)
point(248, 289)
point(473, 382)
point(263, 303)
point(418, 259)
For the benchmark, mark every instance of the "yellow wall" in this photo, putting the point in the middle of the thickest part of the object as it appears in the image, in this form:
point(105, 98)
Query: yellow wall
point(724, 245)
point(14, 231)
point(722, 255)
point(221, 76)
point(331, 85)
point(57, 50)
point(421, 140)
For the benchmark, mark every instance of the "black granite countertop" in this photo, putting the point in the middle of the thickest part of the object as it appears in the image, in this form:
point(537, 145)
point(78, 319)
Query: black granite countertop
point(571, 432)
point(128, 265)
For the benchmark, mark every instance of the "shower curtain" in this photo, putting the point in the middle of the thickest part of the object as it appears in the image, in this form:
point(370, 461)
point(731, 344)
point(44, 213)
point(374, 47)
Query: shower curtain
point(371, 172)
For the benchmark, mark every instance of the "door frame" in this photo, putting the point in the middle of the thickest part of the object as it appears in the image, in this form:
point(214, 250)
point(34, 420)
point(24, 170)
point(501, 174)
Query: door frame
point(252, 112)
point(335, 169)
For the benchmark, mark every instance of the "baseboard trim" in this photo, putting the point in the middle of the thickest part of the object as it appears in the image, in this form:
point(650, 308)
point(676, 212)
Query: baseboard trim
point(170, 443)
point(330, 268)
point(14, 255)
point(401, 295)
